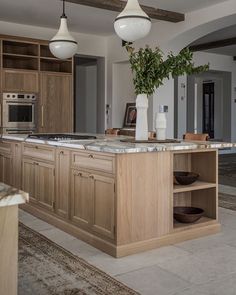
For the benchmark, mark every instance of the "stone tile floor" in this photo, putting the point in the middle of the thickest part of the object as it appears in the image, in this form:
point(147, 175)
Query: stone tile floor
point(206, 266)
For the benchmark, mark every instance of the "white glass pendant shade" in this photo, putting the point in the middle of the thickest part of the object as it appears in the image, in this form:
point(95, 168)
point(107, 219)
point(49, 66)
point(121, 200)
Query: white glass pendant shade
point(63, 45)
point(132, 23)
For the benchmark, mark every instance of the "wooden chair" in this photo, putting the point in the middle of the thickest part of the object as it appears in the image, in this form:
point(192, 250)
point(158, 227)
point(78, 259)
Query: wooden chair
point(112, 131)
point(196, 136)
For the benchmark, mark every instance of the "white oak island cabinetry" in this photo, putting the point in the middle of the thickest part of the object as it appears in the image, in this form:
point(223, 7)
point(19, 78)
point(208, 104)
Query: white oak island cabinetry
point(117, 198)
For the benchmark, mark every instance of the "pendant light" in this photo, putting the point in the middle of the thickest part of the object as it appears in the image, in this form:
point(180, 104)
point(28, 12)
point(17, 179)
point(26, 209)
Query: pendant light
point(63, 45)
point(132, 23)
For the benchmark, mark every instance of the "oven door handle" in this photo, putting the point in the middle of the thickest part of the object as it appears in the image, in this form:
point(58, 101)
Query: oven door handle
point(19, 102)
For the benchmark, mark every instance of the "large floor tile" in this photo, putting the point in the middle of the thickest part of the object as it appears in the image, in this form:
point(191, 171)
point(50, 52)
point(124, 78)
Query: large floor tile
point(200, 268)
point(153, 281)
point(115, 266)
point(25, 217)
point(38, 225)
point(223, 286)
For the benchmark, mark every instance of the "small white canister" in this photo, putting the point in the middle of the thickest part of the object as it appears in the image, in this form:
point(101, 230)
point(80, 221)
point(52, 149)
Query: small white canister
point(161, 123)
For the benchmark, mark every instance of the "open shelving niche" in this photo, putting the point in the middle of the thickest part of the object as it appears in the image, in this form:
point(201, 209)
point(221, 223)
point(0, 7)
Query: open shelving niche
point(33, 56)
point(204, 192)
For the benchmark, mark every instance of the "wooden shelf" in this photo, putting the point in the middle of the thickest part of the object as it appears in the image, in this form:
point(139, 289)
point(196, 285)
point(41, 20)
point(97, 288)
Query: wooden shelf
point(198, 185)
point(20, 48)
point(55, 65)
point(20, 62)
point(20, 55)
point(204, 221)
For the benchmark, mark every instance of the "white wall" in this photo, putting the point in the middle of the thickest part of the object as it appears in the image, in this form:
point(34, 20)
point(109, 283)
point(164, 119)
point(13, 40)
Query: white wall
point(88, 44)
point(91, 99)
point(173, 37)
point(122, 92)
point(86, 99)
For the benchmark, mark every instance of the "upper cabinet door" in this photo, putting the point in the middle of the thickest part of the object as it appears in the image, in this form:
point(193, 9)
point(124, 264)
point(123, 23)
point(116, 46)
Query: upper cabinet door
point(56, 113)
point(20, 81)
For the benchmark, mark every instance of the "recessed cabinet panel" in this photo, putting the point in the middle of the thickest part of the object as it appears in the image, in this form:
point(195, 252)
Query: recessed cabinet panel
point(21, 81)
point(104, 202)
point(56, 112)
point(17, 154)
point(81, 194)
point(45, 184)
point(62, 183)
point(28, 178)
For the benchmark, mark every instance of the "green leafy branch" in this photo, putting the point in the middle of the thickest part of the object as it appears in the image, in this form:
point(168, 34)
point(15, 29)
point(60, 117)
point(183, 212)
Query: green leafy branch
point(150, 69)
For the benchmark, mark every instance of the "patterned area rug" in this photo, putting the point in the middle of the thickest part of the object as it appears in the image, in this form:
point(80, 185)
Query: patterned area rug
point(227, 201)
point(47, 269)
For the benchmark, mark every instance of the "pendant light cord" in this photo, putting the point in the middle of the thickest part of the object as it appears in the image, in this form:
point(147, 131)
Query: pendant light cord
point(63, 11)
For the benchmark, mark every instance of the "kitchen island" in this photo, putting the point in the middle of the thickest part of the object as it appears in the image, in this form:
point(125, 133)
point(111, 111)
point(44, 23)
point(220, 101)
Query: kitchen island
point(10, 198)
point(116, 196)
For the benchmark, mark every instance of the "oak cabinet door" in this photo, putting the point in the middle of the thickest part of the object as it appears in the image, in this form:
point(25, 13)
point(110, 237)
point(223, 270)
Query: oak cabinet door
point(28, 178)
point(20, 81)
point(104, 202)
point(56, 111)
point(17, 175)
point(81, 199)
point(62, 183)
point(45, 184)
point(6, 169)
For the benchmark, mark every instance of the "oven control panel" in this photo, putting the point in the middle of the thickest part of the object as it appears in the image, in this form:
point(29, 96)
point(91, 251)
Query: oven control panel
point(19, 96)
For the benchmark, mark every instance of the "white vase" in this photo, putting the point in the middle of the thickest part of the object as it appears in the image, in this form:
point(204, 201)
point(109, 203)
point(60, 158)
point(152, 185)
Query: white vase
point(161, 124)
point(141, 121)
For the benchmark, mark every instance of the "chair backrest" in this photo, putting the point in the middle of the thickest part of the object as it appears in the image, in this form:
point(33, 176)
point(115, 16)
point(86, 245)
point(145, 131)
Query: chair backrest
point(196, 136)
point(113, 131)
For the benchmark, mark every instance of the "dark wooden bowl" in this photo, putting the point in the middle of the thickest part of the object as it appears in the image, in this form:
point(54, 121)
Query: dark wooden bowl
point(187, 214)
point(185, 178)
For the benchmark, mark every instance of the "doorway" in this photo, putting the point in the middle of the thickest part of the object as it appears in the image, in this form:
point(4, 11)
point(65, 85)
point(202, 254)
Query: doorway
point(89, 92)
point(208, 109)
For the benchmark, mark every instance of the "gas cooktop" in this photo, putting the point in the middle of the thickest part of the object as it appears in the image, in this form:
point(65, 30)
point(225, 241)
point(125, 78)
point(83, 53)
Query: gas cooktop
point(60, 137)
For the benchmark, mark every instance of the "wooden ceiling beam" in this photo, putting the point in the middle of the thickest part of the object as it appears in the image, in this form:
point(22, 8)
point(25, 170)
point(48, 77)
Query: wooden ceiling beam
point(118, 5)
point(213, 44)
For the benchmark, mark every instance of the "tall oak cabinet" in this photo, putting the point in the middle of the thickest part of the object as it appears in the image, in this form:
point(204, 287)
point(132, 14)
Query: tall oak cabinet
point(27, 66)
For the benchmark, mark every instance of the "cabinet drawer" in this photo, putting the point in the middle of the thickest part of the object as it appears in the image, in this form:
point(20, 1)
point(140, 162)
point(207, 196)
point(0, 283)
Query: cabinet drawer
point(94, 161)
point(39, 152)
point(5, 147)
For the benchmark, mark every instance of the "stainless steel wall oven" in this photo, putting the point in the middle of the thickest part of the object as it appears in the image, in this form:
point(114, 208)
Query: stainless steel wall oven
point(19, 111)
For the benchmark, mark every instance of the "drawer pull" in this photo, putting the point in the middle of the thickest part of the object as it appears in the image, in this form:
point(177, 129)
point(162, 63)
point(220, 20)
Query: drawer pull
point(91, 176)
point(61, 153)
point(91, 156)
point(36, 147)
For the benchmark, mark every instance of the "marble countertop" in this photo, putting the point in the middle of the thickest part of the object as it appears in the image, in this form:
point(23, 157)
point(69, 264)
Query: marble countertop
point(113, 144)
point(10, 196)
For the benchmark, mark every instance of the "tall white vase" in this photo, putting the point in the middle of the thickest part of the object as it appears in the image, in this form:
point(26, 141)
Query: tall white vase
point(141, 121)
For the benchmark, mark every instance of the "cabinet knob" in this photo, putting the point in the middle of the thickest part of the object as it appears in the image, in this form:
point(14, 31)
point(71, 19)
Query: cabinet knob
point(78, 174)
point(91, 156)
point(36, 147)
point(91, 176)
point(61, 152)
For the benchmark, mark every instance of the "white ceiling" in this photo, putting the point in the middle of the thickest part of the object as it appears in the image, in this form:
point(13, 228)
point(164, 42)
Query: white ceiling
point(82, 18)
point(229, 32)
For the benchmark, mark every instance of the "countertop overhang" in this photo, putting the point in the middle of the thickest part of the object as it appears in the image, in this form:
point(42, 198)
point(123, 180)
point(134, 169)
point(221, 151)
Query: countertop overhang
point(10, 196)
point(113, 144)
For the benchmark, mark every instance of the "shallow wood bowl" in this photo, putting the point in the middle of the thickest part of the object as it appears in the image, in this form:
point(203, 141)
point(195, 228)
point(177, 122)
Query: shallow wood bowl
point(187, 214)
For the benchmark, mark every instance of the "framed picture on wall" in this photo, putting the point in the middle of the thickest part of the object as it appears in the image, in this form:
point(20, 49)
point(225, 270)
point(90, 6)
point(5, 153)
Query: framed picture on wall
point(130, 115)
